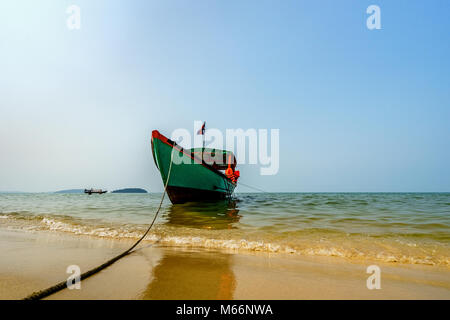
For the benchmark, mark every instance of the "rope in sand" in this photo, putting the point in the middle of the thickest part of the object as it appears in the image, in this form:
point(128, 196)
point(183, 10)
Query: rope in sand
point(63, 284)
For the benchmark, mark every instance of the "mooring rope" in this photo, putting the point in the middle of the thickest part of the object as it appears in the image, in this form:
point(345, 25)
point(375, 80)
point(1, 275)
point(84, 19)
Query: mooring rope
point(63, 284)
point(254, 188)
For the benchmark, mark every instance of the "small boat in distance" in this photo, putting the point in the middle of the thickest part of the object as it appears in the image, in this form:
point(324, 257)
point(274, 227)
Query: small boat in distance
point(198, 174)
point(96, 191)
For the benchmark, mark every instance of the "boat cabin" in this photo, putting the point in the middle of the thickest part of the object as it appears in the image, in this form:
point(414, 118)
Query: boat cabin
point(217, 158)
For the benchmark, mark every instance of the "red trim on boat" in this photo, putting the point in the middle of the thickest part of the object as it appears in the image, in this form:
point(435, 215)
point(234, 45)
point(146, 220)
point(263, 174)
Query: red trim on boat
point(173, 144)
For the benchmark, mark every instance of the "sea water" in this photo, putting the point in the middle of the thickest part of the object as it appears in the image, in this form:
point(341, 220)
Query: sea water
point(411, 228)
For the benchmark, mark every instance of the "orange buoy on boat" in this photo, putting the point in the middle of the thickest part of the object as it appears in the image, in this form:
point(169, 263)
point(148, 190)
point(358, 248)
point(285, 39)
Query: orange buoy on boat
point(229, 172)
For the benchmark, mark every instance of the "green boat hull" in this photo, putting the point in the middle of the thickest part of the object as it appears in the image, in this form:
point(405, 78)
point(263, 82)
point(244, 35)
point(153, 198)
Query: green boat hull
point(191, 179)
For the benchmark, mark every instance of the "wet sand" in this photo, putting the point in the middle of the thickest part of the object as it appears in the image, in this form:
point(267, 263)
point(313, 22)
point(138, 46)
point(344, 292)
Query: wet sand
point(33, 261)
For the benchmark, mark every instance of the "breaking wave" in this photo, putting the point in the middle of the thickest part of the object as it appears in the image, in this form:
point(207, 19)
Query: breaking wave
point(310, 243)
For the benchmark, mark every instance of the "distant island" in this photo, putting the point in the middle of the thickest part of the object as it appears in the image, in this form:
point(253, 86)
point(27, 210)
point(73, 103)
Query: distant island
point(126, 190)
point(71, 191)
point(130, 190)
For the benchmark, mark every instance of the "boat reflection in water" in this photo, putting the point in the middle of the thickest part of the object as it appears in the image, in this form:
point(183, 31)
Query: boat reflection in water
point(195, 274)
point(188, 274)
point(204, 215)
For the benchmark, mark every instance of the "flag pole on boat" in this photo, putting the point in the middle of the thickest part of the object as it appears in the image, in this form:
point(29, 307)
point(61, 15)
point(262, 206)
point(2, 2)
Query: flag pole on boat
point(202, 132)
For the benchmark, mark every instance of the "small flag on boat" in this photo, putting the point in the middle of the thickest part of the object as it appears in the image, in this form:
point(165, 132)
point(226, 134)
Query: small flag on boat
point(202, 129)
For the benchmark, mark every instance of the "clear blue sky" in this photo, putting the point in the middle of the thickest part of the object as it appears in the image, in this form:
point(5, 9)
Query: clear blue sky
point(358, 110)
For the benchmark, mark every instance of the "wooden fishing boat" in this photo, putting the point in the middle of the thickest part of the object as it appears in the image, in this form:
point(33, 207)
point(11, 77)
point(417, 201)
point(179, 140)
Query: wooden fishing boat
point(196, 174)
point(94, 191)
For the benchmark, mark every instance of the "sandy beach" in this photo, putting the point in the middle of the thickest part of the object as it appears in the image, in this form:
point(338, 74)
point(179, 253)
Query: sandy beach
point(35, 260)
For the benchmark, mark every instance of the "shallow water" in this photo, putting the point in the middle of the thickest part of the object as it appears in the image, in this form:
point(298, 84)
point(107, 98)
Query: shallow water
point(392, 227)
